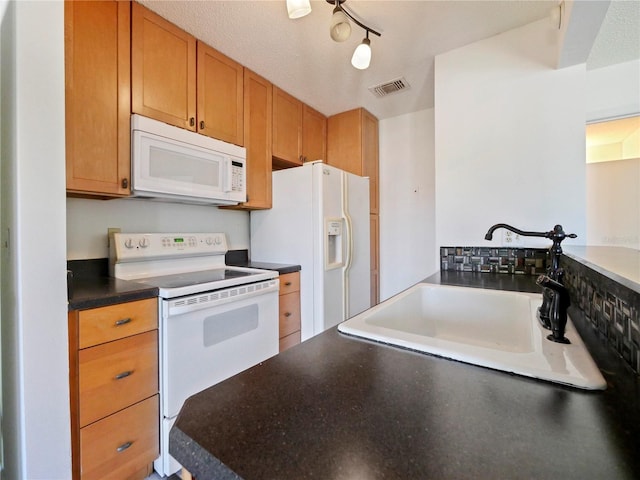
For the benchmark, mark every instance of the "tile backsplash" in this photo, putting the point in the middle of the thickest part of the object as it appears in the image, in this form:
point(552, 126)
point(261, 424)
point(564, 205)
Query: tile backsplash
point(527, 261)
point(612, 308)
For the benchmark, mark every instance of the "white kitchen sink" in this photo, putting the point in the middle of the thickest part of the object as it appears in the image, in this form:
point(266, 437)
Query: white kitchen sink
point(491, 328)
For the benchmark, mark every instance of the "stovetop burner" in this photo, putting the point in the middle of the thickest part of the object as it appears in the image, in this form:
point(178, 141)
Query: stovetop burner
point(194, 278)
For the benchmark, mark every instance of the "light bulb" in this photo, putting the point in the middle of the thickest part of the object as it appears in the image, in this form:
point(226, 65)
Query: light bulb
point(340, 28)
point(298, 8)
point(362, 55)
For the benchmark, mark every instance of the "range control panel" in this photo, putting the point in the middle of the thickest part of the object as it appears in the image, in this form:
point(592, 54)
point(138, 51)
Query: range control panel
point(143, 246)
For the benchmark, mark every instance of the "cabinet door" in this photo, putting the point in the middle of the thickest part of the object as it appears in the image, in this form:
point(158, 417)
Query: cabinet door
point(370, 148)
point(314, 135)
point(112, 322)
point(97, 97)
point(163, 69)
point(220, 96)
point(289, 320)
point(257, 128)
point(117, 374)
point(287, 127)
point(344, 141)
point(118, 446)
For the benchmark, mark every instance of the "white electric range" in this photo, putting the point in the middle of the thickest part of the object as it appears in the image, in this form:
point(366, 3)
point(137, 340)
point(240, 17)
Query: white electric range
point(215, 320)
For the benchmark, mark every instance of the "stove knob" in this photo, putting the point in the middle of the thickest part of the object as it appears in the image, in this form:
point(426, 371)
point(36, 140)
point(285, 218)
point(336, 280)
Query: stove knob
point(144, 242)
point(129, 243)
point(218, 240)
point(209, 241)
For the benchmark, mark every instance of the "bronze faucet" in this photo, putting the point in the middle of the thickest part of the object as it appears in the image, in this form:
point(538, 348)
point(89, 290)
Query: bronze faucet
point(555, 297)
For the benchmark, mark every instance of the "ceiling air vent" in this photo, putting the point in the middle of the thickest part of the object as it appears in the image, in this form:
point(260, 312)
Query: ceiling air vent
point(387, 88)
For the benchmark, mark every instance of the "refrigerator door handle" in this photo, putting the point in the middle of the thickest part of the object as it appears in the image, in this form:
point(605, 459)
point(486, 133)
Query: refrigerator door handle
point(349, 245)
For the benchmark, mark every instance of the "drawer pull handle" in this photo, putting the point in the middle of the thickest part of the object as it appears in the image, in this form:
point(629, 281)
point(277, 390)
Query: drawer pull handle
point(123, 447)
point(287, 284)
point(122, 321)
point(122, 375)
point(287, 314)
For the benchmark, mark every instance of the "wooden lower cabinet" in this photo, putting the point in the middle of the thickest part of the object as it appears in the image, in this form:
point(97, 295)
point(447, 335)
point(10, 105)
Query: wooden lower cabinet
point(113, 365)
point(289, 308)
point(113, 448)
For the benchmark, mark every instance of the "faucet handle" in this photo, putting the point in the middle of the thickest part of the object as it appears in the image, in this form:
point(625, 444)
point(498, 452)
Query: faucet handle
point(558, 234)
point(548, 282)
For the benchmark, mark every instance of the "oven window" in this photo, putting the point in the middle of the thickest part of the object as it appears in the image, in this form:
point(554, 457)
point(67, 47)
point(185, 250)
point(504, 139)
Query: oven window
point(223, 326)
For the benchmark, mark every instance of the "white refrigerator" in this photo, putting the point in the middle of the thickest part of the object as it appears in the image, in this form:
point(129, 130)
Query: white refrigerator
point(320, 221)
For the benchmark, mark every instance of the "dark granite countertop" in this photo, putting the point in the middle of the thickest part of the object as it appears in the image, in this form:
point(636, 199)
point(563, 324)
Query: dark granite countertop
point(89, 286)
point(103, 291)
point(240, 258)
point(336, 407)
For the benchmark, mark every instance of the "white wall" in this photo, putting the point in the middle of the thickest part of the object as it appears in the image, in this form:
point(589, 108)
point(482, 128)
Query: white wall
point(34, 316)
point(407, 196)
point(509, 139)
point(88, 220)
point(613, 91)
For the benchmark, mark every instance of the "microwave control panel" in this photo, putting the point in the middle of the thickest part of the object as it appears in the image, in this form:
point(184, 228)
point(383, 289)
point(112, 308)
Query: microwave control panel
point(237, 177)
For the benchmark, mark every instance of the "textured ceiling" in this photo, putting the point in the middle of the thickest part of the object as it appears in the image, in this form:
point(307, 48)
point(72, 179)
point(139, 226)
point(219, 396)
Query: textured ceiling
point(299, 56)
point(619, 38)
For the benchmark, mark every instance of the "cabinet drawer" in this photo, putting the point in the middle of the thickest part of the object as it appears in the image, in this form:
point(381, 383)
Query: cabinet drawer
point(289, 282)
point(104, 324)
point(289, 313)
point(117, 374)
point(120, 445)
point(289, 341)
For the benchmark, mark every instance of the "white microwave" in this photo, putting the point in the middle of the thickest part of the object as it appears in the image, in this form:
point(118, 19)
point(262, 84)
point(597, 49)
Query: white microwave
point(178, 165)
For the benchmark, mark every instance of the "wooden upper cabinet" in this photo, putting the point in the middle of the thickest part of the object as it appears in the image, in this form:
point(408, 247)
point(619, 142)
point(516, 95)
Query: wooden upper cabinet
point(299, 131)
point(163, 69)
point(352, 145)
point(220, 96)
point(314, 135)
point(97, 97)
point(287, 127)
point(370, 157)
point(258, 130)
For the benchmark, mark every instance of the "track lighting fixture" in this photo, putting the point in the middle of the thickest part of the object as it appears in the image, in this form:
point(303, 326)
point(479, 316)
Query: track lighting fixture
point(340, 31)
point(298, 8)
point(362, 54)
point(339, 28)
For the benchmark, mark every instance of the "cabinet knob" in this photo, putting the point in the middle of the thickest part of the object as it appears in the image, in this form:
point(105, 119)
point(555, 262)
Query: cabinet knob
point(287, 314)
point(287, 284)
point(122, 321)
point(201, 124)
point(192, 121)
point(125, 183)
